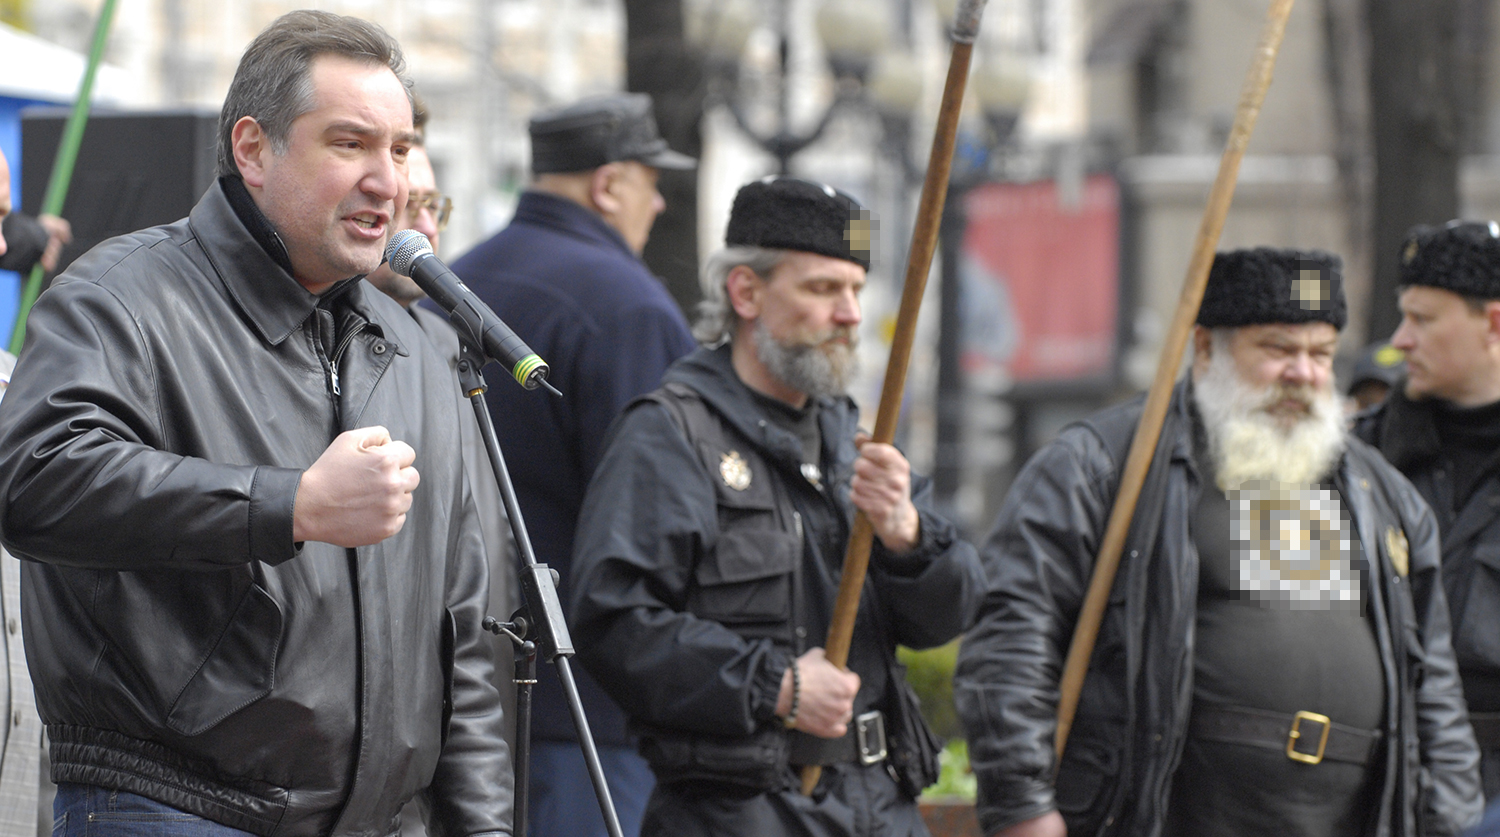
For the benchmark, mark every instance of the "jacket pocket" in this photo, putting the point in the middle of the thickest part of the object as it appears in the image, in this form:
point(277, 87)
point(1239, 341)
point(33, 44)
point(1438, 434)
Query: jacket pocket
point(449, 656)
point(239, 670)
point(747, 578)
point(1476, 627)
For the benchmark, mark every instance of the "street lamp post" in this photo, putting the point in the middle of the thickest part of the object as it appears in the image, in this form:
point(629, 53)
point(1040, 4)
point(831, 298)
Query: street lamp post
point(853, 33)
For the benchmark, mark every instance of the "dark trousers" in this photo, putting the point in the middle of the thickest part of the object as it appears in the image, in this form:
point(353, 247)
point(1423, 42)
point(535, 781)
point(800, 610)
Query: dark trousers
point(562, 795)
point(850, 801)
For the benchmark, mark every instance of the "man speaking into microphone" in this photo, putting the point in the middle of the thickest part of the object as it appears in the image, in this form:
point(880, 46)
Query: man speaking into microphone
point(255, 578)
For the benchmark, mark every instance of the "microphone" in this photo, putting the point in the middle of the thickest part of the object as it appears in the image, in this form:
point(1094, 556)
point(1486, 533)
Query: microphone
point(410, 254)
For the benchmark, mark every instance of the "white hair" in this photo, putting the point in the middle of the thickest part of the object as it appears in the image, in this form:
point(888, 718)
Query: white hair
point(717, 321)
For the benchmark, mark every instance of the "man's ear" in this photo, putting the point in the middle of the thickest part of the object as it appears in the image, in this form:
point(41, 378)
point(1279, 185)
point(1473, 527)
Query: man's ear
point(744, 288)
point(1203, 348)
point(602, 188)
point(251, 145)
point(1492, 315)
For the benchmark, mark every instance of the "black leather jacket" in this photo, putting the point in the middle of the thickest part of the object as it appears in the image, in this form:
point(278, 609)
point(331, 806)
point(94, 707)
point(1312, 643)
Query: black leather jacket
point(688, 621)
point(1132, 719)
point(171, 391)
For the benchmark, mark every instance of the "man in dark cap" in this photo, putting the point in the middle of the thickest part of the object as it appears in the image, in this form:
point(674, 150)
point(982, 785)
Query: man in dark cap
point(567, 276)
point(1275, 658)
point(1380, 367)
point(1441, 428)
point(710, 543)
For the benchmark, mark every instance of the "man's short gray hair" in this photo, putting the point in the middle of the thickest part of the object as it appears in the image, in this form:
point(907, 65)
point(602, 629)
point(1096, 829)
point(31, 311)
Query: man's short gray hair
point(717, 321)
point(273, 84)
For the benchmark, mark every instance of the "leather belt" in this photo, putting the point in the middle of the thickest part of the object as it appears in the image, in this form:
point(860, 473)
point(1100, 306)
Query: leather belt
point(864, 744)
point(1486, 729)
point(1305, 736)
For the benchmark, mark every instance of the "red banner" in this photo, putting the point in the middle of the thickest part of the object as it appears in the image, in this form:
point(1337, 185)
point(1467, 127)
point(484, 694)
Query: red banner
point(1040, 279)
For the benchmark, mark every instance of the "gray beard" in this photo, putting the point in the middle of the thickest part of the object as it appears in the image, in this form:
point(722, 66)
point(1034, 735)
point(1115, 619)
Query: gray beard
point(1247, 443)
point(818, 369)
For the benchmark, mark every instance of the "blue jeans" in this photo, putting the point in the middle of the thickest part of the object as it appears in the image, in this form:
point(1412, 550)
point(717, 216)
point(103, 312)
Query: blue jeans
point(562, 796)
point(92, 811)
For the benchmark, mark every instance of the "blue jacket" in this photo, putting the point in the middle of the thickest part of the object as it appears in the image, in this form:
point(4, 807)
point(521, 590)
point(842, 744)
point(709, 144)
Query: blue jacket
point(568, 285)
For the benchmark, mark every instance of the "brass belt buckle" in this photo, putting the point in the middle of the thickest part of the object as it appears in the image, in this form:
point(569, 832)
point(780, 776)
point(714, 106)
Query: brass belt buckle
point(1296, 734)
point(869, 734)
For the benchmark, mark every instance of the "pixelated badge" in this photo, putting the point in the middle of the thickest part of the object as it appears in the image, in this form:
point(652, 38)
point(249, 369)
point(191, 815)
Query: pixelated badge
point(1291, 548)
point(1312, 289)
point(860, 232)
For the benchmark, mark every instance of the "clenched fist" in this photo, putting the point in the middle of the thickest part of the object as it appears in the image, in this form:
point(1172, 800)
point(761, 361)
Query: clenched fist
point(358, 492)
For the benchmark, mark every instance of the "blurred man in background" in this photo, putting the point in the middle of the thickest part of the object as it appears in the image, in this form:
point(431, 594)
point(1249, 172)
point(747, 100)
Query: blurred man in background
point(1441, 428)
point(427, 211)
point(567, 276)
point(1380, 367)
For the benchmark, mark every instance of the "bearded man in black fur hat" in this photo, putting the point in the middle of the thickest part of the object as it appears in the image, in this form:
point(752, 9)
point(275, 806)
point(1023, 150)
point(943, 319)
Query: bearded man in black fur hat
point(1275, 655)
point(1441, 428)
point(711, 538)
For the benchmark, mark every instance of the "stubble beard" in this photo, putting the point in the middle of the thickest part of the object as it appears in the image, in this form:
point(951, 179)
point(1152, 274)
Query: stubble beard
point(1248, 441)
point(821, 367)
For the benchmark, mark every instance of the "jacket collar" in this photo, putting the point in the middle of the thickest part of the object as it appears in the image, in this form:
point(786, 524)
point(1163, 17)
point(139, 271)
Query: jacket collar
point(548, 210)
point(710, 372)
point(258, 282)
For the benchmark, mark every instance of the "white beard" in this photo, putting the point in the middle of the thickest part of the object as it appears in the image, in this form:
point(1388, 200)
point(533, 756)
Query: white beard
point(1248, 443)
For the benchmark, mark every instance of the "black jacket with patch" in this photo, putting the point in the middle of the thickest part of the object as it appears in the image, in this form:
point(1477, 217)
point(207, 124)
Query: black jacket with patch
point(691, 572)
point(1132, 719)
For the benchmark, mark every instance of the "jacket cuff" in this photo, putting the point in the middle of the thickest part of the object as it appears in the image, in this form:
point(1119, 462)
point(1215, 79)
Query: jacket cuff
point(934, 537)
point(765, 688)
point(273, 494)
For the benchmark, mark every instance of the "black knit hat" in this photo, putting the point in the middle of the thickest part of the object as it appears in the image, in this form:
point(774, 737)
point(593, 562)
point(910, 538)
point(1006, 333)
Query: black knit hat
point(1460, 256)
point(1265, 285)
point(791, 214)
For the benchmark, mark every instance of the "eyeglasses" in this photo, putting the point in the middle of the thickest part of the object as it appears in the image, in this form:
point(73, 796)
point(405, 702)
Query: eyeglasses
point(440, 205)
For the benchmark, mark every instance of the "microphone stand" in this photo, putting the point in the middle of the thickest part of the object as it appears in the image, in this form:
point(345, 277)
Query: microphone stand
point(538, 627)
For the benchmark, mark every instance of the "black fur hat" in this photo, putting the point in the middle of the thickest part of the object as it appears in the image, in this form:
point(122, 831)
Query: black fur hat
point(1460, 256)
point(792, 214)
point(1266, 285)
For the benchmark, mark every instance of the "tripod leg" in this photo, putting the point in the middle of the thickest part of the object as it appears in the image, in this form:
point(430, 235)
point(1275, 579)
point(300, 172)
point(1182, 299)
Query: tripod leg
point(525, 680)
point(590, 753)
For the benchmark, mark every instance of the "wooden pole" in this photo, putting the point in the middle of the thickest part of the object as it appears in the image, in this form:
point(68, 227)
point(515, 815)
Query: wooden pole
point(1138, 462)
point(919, 263)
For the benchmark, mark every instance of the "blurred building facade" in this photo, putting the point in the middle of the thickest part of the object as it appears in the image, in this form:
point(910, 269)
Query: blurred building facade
point(482, 67)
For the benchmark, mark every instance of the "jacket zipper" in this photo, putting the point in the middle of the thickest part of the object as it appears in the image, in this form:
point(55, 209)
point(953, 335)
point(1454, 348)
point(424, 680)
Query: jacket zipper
point(799, 632)
point(338, 355)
